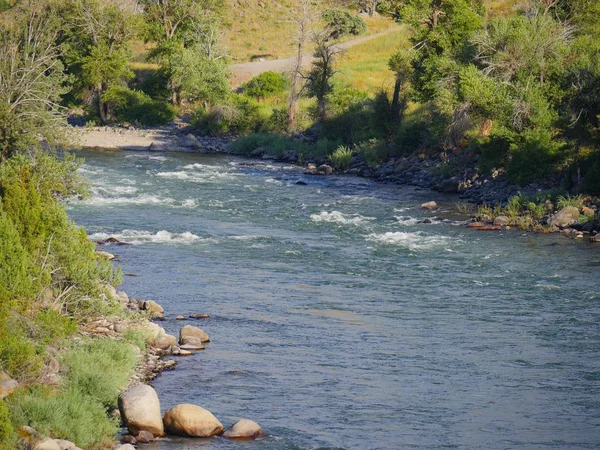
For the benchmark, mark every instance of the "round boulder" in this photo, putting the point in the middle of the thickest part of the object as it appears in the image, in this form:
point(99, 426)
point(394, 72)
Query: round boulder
point(47, 444)
point(431, 206)
point(193, 421)
point(244, 429)
point(192, 335)
point(501, 221)
point(140, 410)
point(565, 217)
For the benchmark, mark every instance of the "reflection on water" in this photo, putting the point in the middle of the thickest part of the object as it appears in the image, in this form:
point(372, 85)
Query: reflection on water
point(340, 321)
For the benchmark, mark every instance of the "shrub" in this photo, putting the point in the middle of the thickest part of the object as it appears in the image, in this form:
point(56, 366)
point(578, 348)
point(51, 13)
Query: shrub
point(342, 22)
point(239, 115)
point(341, 158)
point(266, 84)
point(137, 107)
point(374, 151)
point(7, 432)
point(566, 201)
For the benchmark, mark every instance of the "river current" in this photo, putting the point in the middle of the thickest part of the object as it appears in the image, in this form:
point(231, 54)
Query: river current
point(338, 321)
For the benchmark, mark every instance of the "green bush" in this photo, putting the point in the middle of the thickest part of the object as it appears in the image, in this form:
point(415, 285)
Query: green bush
point(94, 373)
point(341, 158)
point(137, 107)
point(374, 151)
point(7, 432)
point(239, 115)
point(266, 84)
point(342, 22)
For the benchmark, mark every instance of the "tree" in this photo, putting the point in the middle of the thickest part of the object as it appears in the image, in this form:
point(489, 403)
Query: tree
point(31, 80)
point(303, 17)
point(184, 30)
point(399, 63)
point(318, 80)
point(96, 42)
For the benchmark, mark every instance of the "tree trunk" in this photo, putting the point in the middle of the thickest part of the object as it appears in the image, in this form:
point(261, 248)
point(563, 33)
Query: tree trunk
point(294, 89)
point(102, 111)
point(395, 108)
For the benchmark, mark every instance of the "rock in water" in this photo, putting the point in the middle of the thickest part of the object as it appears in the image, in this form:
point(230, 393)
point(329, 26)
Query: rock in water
point(140, 410)
point(192, 335)
point(193, 421)
point(125, 447)
point(431, 206)
point(565, 217)
point(244, 429)
point(156, 311)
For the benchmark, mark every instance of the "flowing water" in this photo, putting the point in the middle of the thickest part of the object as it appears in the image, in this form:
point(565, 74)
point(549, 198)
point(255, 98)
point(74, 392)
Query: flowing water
point(339, 321)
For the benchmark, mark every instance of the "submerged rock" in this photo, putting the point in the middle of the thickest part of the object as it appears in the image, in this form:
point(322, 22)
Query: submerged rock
point(140, 410)
point(192, 335)
point(193, 421)
point(244, 429)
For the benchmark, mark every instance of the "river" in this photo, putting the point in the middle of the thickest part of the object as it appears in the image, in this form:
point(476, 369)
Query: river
point(338, 321)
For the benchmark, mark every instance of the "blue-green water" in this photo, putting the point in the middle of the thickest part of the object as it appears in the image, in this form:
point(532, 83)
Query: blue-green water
point(338, 321)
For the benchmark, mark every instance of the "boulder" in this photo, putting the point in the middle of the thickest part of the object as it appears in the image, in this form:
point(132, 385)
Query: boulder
point(199, 316)
point(65, 445)
point(565, 217)
point(140, 410)
point(448, 186)
point(192, 420)
point(7, 385)
point(47, 444)
point(180, 318)
point(431, 206)
point(324, 169)
point(154, 309)
point(166, 342)
point(125, 447)
point(244, 429)
point(104, 255)
point(501, 221)
point(129, 439)
point(144, 437)
point(191, 347)
point(595, 238)
point(192, 335)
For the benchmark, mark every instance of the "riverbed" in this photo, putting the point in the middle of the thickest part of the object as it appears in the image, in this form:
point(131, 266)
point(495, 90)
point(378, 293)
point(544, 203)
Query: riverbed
point(340, 321)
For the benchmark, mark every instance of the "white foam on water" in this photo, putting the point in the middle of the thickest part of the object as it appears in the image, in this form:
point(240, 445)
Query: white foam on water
point(412, 241)
point(146, 156)
point(407, 220)
point(190, 203)
point(339, 218)
point(137, 237)
point(109, 190)
point(198, 166)
point(245, 238)
point(144, 199)
point(197, 177)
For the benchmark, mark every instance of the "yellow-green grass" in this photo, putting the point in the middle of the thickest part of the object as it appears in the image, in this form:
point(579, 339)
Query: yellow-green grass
point(365, 66)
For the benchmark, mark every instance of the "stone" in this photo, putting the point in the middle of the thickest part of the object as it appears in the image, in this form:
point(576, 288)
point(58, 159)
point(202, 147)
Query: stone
point(587, 211)
point(182, 352)
point(125, 447)
point(193, 421)
point(180, 318)
point(165, 342)
point(192, 347)
point(7, 387)
point(325, 169)
point(431, 206)
point(565, 217)
point(501, 221)
point(448, 186)
point(192, 335)
point(244, 429)
point(140, 410)
point(154, 309)
point(105, 255)
point(595, 238)
point(129, 439)
point(47, 444)
point(199, 316)
point(65, 445)
point(144, 437)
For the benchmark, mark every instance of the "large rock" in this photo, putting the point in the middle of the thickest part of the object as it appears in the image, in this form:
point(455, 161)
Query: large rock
point(431, 206)
point(47, 444)
point(501, 221)
point(125, 447)
point(448, 186)
point(165, 342)
point(7, 385)
point(565, 217)
point(154, 309)
point(193, 421)
point(140, 410)
point(65, 445)
point(192, 335)
point(244, 429)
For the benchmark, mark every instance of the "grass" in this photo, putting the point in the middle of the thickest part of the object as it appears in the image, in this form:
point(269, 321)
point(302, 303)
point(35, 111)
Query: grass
point(94, 372)
point(365, 66)
point(341, 158)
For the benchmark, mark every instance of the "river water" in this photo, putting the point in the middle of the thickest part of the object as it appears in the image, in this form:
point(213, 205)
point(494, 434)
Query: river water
point(340, 322)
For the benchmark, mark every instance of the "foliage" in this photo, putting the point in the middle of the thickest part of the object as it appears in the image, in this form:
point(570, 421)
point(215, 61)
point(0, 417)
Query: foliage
point(238, 115)
point(136, 107)
point(266, 84)
point(341, 158)
point(374, 151)
point(7, 432)
point(565, 201)
point(94, 373)
point(342, 22)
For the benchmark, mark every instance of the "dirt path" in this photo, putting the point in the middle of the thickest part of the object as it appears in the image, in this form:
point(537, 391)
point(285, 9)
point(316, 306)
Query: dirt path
point(245, 71)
